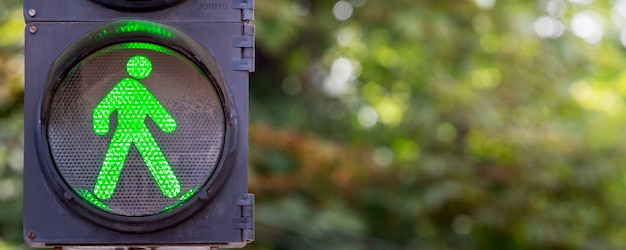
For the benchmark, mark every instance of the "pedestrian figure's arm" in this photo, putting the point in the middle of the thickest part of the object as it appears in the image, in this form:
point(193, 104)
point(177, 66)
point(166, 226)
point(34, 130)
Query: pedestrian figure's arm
point(102, 112)
point(160, 115)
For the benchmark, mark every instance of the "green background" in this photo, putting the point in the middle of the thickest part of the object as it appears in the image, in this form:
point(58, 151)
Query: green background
point(404, 124)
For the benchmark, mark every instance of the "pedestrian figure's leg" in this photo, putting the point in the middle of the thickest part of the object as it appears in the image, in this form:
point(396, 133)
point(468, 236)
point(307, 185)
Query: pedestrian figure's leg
point(112, 165)
point(157, 164)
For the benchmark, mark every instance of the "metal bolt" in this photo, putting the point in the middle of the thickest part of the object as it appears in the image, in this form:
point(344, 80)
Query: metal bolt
point(31, 235)
point(68, 196)
point(32, 29)
point(32, 12)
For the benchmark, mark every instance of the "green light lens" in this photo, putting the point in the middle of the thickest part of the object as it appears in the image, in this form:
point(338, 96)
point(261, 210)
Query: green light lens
point(133, 103)
point(133, 125)
point(139, 67)
point(93, 200)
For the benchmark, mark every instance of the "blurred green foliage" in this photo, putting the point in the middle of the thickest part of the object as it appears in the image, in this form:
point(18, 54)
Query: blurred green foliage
point(401, 124)
point(11, 129)
point(440, 124)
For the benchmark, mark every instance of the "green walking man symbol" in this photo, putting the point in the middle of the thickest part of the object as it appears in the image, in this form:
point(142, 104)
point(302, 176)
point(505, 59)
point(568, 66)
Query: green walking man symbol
point(133, 103)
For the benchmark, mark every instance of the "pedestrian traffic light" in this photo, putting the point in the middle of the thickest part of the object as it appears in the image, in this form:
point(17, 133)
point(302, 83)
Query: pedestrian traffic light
point(136, 123)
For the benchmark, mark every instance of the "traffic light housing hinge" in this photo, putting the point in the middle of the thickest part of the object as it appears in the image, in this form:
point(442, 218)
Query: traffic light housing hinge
point(247, 9)
point(246, 221)
point(246, 43)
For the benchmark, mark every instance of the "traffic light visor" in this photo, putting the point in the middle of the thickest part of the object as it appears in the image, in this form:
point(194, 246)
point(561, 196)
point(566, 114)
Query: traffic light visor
point(138, 5)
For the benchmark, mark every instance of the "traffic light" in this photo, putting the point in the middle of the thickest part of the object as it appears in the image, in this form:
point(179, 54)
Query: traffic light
point(136, 120)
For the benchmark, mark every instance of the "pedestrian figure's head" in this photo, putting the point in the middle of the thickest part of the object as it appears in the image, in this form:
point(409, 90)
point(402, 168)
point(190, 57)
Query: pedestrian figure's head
point(139, 67)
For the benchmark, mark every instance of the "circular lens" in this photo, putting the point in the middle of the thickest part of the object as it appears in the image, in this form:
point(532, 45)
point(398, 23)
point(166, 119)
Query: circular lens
point(136, 129)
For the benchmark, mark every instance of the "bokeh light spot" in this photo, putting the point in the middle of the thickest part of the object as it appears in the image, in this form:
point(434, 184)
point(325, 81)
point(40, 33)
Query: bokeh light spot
point(342, 10)
point(367, 117)
point(549, 27)
point(587, 25)
point(485, 4)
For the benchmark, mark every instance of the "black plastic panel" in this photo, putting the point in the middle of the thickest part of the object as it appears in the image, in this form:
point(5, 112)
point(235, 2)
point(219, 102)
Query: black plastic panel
point(50, 221)
point(138, 5)
point(85, 10)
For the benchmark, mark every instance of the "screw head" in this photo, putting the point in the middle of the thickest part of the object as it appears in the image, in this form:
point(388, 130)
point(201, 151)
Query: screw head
point(32, 29)
point(32, 12)
point(31, 235)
